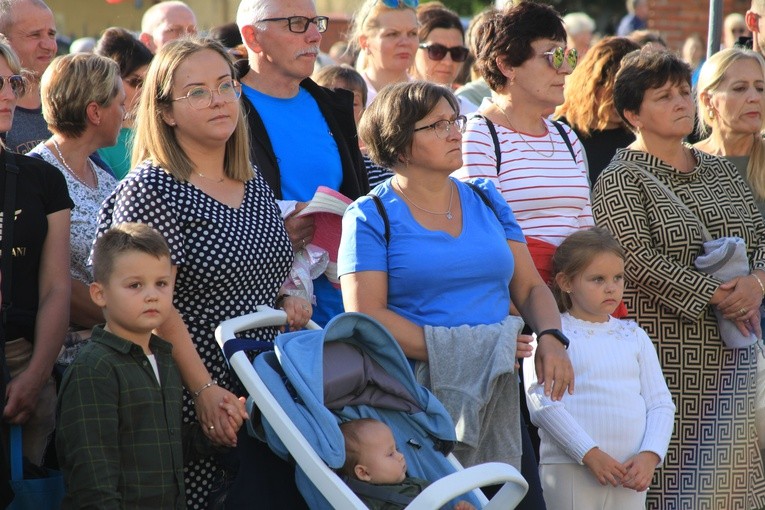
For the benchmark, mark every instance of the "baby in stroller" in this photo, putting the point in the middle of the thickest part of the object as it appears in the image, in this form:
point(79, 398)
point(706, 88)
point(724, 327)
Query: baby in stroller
point(376, 471)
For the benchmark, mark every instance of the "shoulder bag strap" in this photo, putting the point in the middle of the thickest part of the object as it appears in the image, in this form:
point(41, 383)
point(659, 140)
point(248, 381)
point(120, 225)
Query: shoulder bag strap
point(704, 232)
point(9, 207)
point(563, 135)
point(494, 138)
point(383, 214)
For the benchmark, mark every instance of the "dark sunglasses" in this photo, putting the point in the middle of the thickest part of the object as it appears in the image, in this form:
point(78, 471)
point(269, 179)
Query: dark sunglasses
point(18, 85)
point(557, 56)
point(300, 24)
point(438, 51)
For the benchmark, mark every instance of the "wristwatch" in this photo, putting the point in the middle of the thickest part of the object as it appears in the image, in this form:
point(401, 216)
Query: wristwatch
point(558, 334)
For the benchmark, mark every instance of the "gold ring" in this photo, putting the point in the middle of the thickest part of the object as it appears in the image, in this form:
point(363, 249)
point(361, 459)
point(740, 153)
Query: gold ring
point(305, 307)
point(743, 311)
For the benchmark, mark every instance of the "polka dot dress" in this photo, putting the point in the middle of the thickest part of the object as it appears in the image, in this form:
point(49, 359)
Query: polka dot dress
point(229, 261)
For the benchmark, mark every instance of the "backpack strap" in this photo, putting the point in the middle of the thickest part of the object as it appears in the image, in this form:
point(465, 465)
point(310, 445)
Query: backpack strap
point(562, 131)
point(383, 214)
point(494, 138)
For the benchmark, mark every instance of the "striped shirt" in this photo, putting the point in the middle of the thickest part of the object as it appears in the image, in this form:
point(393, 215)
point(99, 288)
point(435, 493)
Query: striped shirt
point(547, 190)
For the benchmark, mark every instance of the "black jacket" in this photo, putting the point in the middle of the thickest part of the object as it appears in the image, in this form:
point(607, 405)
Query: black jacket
point(337, 108)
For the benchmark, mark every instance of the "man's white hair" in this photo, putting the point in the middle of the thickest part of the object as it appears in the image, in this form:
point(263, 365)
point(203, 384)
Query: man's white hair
point(6, 11)
point(250, 11)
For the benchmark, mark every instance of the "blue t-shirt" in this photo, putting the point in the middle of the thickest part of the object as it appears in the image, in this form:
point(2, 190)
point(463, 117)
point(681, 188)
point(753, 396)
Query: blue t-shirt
point(434, 278)
point(308, 157)
point(305, 150)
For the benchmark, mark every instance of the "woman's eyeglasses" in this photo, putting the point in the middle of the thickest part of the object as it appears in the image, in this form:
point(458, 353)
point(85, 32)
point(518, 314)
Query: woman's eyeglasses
point(201, 97)
point(300, 24)
point(395, 4)
point(18, 84)
point(444, 127)
point(559, 55)
point(438, 51)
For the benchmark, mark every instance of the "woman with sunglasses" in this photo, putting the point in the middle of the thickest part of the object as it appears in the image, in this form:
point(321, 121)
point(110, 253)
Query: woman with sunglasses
point(416, 130)
point(385, 34)
point(538, 166)
point(194, 183)
point(442, 45)
point(133, 58)
point(36, 307)
point(655, 197)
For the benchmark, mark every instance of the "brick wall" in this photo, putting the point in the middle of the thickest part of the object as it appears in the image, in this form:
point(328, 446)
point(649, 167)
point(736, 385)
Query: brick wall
point(678, 19)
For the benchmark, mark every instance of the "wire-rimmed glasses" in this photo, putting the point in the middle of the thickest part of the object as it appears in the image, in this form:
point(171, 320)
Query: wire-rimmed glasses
point(200, 97)
point(443, 127)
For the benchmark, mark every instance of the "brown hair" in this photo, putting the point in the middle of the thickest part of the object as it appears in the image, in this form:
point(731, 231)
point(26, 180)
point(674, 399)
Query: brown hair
point(590, 88)
point(122, 238)
point(355, 433)
point(387, 126)
point(434, 15)
point(328, 76)
point(508, 36)
point(574, 255)
point(155, 139)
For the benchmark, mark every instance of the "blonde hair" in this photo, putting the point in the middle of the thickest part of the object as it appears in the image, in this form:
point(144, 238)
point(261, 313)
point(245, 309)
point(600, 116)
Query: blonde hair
point(155, 139)
point(14, 64)
point(366, 19)
point(70, 83)
point(712, 74)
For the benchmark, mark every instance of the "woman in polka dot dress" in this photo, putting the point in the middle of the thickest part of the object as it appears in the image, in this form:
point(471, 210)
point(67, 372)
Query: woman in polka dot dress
point(230, 250)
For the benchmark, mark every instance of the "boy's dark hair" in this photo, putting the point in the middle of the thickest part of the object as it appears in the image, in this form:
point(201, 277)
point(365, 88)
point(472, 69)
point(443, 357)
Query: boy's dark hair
point(121, 46)
point(122, 238)
point(328, 76)
point(576, 252)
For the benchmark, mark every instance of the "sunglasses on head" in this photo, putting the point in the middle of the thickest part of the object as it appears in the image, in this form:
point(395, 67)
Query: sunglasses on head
point(559, 55)
point(438, 51)
point(18, 85)
point(395, 4)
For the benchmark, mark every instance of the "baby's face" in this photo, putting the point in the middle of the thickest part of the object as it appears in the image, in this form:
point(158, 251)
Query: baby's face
point(384, 463)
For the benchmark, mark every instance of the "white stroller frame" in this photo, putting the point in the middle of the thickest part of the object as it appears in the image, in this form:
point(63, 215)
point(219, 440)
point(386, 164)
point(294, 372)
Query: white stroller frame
point(337, 493)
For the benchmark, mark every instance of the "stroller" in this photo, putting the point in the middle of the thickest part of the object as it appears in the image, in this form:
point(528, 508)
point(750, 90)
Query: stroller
point(290, 385)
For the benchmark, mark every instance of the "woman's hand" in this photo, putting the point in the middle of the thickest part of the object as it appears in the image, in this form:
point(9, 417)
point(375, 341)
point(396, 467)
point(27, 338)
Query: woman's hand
point(217, 422)
point(743, 302)
point(298, 311)
point(554, 367)
point(299, 228)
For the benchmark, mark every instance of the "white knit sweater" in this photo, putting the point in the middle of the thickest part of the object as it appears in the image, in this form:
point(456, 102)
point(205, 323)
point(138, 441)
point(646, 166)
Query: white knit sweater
point(620, 404)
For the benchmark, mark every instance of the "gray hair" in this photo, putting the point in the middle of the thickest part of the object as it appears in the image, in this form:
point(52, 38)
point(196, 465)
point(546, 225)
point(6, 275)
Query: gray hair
point(152, 16)
point(578, 22)
point(6, 12)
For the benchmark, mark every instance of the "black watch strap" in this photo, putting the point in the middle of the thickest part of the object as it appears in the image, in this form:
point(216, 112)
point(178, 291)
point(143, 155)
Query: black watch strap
point(558, 334)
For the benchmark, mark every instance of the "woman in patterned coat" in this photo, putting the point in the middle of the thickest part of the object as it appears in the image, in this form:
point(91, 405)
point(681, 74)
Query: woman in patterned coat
point(713, 459)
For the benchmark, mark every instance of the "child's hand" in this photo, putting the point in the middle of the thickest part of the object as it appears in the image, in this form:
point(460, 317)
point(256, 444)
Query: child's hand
point(298, 312)
point(604, 467)
point(523, 349)
point(640, 470)
point(234, 410)
point(463, 505)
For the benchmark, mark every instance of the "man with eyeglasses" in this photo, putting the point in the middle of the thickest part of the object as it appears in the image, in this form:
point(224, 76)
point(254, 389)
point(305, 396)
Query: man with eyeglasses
point(165, 22)
point(303, 135)
point(30, 29)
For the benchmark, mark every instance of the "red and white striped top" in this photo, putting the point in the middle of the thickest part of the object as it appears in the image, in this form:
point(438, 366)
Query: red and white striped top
point(550, 196)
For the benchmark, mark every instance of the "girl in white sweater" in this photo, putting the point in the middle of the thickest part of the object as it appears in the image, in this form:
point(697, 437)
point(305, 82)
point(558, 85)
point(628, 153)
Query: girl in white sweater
point(600, 446)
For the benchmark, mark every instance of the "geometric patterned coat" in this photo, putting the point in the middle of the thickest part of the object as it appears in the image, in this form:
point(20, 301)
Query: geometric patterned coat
point(713, 461)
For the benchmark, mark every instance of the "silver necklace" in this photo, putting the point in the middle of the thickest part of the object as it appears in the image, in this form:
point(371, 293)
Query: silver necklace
point(74, 174)
point(216, 181)
point(448, 212)
point(549, 136)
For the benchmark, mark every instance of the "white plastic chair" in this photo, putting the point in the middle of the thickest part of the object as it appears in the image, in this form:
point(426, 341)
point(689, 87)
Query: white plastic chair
point(331, 486)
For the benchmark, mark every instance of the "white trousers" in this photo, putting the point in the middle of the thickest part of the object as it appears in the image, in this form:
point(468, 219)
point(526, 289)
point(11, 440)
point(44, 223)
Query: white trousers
point(573, 487)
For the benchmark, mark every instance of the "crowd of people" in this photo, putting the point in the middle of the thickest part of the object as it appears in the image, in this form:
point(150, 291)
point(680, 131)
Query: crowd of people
point(521, 182)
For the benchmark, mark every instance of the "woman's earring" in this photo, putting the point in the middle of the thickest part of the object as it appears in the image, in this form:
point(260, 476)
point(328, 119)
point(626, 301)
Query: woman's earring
point(711, 114)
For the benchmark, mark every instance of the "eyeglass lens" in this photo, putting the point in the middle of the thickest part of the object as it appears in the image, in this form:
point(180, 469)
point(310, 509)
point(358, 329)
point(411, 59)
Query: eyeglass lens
point(300, 24)
point(201, 97)
point(395, 4)
point(438, 52)
point(444, 127)
point(557, 56)
point(16, 82)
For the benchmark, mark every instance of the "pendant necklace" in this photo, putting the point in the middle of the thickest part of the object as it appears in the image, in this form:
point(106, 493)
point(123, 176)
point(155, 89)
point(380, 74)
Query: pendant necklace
point(549, 136)
point(74, 174)
point(448, 212)
point(216, 181)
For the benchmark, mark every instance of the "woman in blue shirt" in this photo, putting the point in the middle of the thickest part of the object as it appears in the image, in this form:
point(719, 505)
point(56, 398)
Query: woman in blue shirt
point(449, 255)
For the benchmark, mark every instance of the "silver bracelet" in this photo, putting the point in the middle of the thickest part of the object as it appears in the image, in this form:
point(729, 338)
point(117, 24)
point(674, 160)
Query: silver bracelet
point(203, 388)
